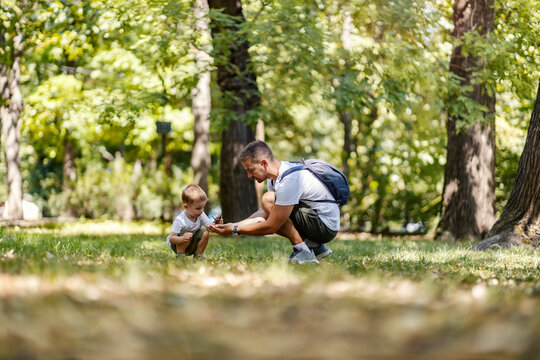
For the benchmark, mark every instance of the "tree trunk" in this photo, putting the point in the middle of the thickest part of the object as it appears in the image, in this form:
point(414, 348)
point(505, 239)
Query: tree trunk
point(11, 105)
point(366, 175)
point(346, 119)
point(469, 179)
point(201, 105)
point(345, 115)
point(69, 177)
point(240, 94)
point(259, 187)
point(237, 195)
point(520, 220)
point(124, 199)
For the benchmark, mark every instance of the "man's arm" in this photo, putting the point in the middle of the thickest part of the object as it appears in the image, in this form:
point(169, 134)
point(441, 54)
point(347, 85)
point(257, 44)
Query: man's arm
point(257, 216)
point(278, 216)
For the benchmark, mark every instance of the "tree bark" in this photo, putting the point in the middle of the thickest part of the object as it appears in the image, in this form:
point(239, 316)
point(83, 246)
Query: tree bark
point(240, 93)
point(11, 105)
point(237, 195)
point(520, 220)
point(469, 179)
point(259, 187)
point(201, 105)
point(69, 177)
point(345, 115)
point(346, 119)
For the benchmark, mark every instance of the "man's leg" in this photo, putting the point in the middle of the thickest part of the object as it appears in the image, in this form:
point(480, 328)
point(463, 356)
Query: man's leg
point(301, 253)
point(287, 230)
point(314, 231)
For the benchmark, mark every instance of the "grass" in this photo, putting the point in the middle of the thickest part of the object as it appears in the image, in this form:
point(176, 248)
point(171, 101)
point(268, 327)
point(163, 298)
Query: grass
point(110, 290)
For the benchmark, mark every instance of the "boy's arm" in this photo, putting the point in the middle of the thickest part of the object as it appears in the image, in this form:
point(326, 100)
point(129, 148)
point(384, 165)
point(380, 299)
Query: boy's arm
point(176, 238)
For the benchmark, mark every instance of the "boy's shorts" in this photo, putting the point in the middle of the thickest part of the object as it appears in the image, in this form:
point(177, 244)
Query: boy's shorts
point(309, 225)
point(197, 236)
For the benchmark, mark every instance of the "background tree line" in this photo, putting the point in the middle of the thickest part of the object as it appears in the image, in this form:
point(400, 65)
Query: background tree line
point(424, 104)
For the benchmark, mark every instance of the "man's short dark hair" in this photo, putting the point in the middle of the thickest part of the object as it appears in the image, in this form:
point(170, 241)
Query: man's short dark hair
point(256, 151)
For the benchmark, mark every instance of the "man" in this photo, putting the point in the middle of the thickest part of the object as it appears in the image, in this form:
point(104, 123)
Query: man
point(297, 206)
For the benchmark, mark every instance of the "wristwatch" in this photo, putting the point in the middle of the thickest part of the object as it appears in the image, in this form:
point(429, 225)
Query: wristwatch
point(235, 230)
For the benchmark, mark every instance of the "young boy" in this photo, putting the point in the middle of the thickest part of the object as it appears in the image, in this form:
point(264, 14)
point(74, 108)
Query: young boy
point(187, 236)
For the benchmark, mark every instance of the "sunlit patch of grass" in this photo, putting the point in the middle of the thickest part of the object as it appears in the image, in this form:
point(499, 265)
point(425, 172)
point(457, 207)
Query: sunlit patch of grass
point(413, 295)
point(103, 227)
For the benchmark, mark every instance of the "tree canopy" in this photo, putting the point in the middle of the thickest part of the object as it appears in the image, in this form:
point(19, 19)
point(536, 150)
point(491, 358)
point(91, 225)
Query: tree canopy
point(372, 74)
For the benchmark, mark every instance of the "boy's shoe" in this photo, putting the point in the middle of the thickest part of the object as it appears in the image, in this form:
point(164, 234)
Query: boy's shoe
point(321, 251)
point(199, 257)
point(180, 256)
point(302, 257)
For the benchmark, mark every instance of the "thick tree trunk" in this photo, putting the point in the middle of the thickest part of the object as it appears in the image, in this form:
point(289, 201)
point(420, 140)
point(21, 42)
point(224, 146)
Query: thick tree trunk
point(238, 196)
point(11, 105)
point(201, 105)
point(469, 180)
point(238, 84)
point(520, 220)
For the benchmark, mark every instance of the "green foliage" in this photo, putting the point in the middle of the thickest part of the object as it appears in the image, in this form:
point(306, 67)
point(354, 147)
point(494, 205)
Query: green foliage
point(101, 73)
point(385, 82)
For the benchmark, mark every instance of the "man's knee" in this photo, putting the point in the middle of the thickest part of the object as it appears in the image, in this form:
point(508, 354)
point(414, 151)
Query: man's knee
point(268, 201)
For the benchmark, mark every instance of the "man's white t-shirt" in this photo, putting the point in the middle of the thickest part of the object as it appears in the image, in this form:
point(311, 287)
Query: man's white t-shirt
point(303, 186)
point(182, 222)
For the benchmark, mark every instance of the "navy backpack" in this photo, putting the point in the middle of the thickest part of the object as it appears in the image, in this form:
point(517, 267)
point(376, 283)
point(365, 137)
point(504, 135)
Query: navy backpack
point(329, 175)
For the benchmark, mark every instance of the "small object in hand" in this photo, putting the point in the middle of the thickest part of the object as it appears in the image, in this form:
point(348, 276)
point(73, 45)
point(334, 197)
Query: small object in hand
point(218, 219)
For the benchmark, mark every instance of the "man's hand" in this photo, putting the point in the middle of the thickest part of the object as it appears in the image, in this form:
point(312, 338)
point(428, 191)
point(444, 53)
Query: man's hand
point(221, 229)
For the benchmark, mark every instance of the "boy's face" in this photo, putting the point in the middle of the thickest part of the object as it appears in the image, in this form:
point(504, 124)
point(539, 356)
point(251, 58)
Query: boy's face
point(195, 209)
point(256, 170)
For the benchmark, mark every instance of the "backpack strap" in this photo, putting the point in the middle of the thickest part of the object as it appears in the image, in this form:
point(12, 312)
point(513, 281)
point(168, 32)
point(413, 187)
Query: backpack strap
point(302, 167)
point(291, 170)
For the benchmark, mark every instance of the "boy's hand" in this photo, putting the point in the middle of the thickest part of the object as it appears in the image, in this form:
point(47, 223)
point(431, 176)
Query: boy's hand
point(187, 236)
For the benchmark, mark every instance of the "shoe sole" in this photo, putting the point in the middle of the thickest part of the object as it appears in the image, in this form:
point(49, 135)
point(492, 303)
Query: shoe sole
point(324, 254)
point(300, 262)
point(314, 261)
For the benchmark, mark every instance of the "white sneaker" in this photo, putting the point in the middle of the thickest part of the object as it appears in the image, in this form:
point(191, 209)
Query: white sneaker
point(321, 251)
point(302, 257)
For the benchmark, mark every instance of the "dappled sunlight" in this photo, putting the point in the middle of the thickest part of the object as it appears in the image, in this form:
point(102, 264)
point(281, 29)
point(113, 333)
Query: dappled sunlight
point(104, 227)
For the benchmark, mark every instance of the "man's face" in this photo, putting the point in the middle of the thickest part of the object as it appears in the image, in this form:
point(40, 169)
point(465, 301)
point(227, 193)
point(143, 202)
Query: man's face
point(256, 170)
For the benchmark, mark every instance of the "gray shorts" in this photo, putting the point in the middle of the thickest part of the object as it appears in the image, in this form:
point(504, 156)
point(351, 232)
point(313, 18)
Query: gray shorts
point(309, 225)
point(197, 236)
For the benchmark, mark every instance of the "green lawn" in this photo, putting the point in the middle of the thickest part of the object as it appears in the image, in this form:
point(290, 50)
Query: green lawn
point(115, 291)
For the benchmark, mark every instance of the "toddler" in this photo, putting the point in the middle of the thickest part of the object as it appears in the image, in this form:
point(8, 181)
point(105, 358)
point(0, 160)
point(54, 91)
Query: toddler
point(188, 237)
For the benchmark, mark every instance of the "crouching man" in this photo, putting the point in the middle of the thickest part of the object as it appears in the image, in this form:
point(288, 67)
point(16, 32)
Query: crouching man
point(297, 206)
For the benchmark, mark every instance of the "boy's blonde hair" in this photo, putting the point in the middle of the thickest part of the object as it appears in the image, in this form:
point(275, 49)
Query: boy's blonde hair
point(193, 193)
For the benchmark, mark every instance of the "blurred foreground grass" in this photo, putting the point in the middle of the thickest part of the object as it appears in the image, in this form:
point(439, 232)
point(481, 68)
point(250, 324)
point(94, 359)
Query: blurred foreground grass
point(115, 291)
